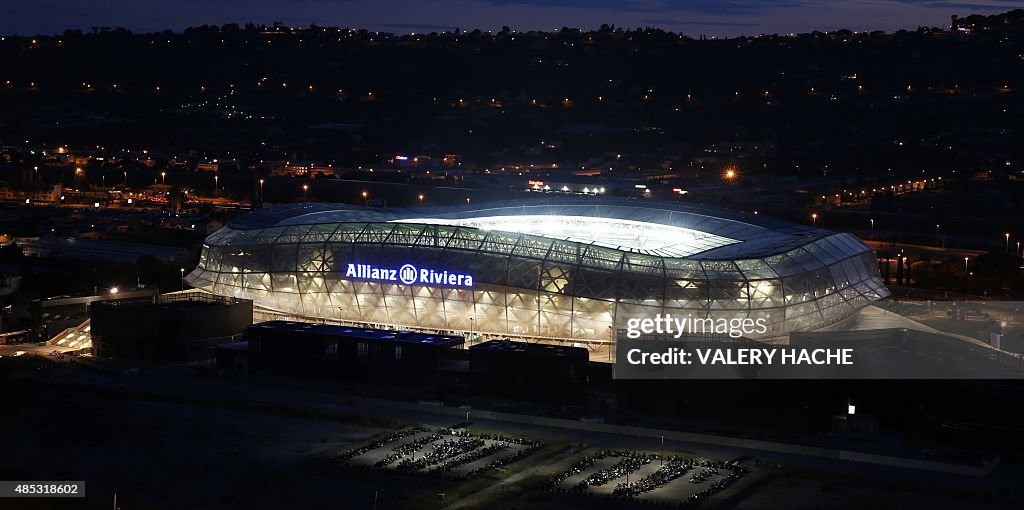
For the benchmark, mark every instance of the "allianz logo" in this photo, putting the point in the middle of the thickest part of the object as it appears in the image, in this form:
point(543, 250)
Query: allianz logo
point(408, 274)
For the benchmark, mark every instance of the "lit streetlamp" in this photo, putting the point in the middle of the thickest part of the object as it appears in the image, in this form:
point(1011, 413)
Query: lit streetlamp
point(1007, 242)
point(814, 219)
point(661, 454)
point(163, 177)
point(421, 202)
point(182, 279)
point(872, 228)
point(305, 191)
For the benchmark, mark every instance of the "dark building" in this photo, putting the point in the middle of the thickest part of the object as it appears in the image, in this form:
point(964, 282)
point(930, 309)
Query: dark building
point(508, 368)
point(392, 358)
point(344, 351)
point(173, 327)
point(52, 315)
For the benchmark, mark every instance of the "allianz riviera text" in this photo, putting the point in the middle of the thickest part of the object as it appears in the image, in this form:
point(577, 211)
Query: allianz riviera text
point(408, 274)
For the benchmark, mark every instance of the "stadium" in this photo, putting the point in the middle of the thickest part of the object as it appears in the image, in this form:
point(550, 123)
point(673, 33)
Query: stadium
point(563, 270)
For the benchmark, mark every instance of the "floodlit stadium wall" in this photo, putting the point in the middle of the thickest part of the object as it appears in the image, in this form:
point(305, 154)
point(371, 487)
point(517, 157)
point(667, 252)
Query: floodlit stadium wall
point(464, 278)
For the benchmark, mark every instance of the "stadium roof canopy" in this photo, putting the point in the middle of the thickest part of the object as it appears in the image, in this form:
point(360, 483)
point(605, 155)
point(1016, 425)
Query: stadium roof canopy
point(642, 226)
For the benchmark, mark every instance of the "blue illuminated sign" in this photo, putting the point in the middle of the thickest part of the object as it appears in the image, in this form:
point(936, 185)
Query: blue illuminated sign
point(409, 275)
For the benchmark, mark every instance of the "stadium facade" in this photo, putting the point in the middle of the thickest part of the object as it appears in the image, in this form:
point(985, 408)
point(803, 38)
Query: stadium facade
point(560, 270)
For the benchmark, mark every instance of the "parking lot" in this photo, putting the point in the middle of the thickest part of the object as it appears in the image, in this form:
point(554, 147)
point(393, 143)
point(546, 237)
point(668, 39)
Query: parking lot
point(649, 477)
point(449, 453)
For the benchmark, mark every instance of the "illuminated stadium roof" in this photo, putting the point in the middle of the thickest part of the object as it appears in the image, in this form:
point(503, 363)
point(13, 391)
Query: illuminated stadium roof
point(636, 236)
point(656, 228)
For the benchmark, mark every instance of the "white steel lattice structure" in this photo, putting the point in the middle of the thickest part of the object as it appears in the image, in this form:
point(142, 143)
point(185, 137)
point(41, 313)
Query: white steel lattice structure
point(562, 269)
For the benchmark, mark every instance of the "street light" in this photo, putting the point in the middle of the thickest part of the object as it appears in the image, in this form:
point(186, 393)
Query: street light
point(661, 454)
point(1007, 242)
point(216, 184)
point(182, 279)
point(421, 198)
point(305, 191)
point(163, 177)
point(872, 228)
point(467, 200)
point(261, 189)
point(965, 265)
point(814, 219)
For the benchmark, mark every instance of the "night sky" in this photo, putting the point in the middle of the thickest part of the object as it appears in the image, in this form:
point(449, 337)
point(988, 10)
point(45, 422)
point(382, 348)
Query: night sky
point(694, 17)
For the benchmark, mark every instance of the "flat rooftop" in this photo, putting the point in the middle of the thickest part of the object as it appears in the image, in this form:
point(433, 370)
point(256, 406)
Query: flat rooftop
point(380, 335)
point(145, 298)
point(531, 348)
point(234, 346)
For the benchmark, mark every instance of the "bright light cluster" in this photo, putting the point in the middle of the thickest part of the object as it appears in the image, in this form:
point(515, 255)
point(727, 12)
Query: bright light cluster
point(629, 235)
